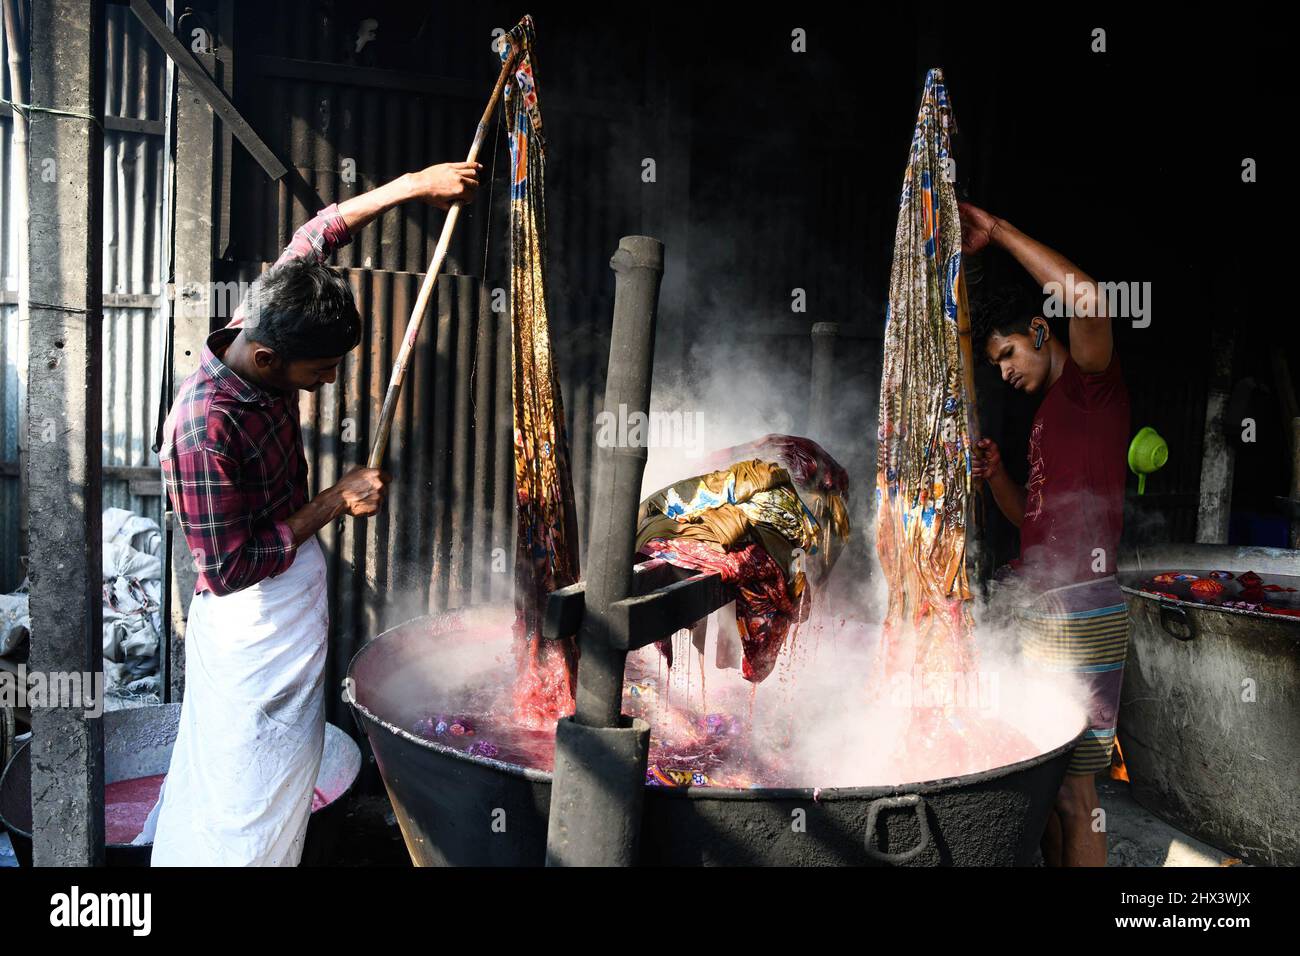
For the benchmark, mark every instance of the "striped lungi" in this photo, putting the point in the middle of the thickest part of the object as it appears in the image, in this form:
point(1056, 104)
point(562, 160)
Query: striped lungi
point(1083, 629)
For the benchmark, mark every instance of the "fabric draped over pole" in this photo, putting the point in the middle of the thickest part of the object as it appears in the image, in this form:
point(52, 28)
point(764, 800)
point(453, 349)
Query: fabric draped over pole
point(923, 479)
point(546, 551)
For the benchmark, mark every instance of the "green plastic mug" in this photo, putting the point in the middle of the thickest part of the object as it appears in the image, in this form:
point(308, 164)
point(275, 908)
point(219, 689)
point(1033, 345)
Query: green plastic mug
point(1147, 453)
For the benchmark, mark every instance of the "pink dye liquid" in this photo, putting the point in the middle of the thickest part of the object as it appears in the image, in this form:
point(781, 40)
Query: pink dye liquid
point(127, 804)
point(715, 740)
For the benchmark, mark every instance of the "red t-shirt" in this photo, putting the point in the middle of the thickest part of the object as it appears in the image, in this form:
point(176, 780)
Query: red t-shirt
point(1078, 451)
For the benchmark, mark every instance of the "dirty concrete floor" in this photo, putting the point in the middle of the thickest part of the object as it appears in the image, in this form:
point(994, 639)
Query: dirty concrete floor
point(1138, 837)
point(370, 835)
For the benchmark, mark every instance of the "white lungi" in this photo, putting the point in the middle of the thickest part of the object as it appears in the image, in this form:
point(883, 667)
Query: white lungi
point(252, 728)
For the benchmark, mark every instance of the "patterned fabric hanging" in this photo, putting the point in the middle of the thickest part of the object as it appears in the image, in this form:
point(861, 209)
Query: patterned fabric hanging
point(546, 554)
point(923, 478)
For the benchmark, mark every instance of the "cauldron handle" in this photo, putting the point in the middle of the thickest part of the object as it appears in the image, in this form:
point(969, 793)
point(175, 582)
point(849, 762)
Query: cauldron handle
point(893, 803)
point(1173, 617)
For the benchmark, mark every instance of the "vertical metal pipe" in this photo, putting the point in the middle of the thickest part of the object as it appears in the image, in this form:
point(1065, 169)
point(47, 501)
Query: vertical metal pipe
point(598, 787)
point(824, 335)
point(638, 268)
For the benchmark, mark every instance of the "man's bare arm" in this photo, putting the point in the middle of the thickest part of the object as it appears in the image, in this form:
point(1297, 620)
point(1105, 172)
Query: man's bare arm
point(439, 185)
point(1010, 497)
point(360, 493)
point(1091, 343)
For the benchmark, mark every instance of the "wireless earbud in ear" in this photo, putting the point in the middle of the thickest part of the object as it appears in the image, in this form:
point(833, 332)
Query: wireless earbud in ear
point(1039, 334)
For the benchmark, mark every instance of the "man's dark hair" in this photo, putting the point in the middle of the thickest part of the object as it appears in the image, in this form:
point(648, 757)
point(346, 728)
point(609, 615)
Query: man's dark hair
point(1008, 309)
point(302, 309)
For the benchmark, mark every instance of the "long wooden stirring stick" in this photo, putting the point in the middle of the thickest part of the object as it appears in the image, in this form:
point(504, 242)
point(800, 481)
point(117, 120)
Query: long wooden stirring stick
point(430, 277)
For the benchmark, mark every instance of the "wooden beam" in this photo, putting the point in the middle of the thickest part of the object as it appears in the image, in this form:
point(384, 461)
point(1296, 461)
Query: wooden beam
point(207, 89)
point(64, 430)
point(115, 124)
point(663, 600)
point(652, 617)
point(566, 606)
point(111, 300)
point(342, 74)
point(108, 472)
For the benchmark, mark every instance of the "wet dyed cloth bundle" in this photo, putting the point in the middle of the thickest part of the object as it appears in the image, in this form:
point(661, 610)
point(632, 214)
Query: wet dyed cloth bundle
point(823, 486)
point(751, 522)
point(923, 479)
point(546, 554)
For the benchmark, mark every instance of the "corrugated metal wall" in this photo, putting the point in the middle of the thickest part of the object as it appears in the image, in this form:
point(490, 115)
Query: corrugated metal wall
point(133, 256)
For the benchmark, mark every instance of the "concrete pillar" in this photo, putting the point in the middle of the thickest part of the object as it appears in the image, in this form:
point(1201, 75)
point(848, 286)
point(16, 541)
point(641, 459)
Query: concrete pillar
point(1218, 457)
point(65, 171)
point(824, 337)
point(196, 142)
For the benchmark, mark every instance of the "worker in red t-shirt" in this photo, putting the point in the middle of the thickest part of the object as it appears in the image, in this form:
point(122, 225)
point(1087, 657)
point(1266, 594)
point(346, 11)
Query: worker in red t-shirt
point(1071, 615)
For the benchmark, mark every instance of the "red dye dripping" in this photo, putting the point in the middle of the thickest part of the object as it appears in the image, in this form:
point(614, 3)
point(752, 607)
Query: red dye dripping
point(764, 610)
point(544, 683)
point(127, 804)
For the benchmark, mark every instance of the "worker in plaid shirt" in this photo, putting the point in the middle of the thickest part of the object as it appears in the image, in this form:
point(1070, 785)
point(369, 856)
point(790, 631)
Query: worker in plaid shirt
point(240, 786)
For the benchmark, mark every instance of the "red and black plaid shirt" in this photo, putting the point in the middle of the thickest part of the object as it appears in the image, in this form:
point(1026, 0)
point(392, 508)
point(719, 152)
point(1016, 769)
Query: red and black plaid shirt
point(232, 454)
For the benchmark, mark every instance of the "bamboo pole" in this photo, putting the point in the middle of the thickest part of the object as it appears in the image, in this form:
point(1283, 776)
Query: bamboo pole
point(431, 277)
point(16, 43)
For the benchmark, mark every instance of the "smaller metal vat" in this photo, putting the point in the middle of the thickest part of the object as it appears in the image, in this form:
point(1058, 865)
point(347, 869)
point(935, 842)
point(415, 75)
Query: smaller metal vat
point(1211, 705)
point(138, 743)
